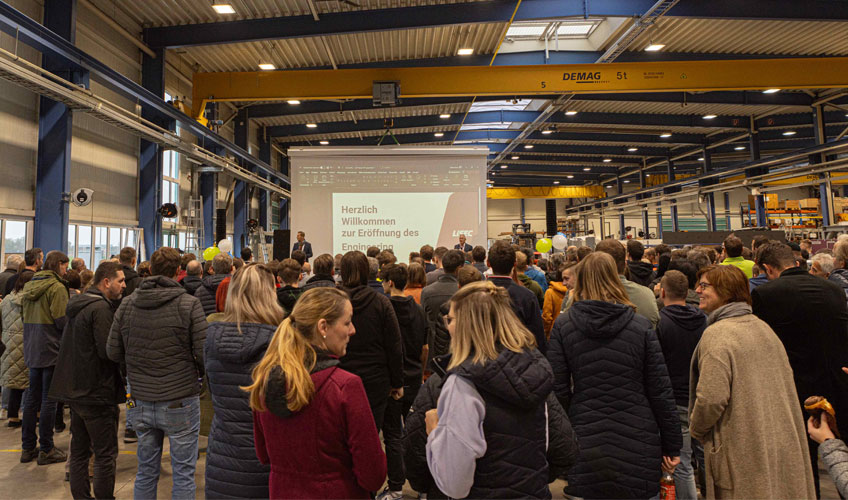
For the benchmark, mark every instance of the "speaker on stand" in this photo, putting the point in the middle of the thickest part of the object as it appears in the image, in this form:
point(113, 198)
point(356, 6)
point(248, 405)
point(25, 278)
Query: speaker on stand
point(550, 218)
point(282, 244)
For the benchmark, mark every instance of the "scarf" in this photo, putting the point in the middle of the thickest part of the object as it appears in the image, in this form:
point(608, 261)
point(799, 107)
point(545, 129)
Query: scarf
point(730, 310)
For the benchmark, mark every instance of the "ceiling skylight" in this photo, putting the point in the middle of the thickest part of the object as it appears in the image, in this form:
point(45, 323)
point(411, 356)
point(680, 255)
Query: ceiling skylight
point(556, 28)
point(505, 105)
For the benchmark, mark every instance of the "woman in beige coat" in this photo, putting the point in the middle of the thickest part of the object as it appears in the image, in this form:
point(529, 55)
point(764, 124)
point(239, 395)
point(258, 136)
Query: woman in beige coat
point(742, 405)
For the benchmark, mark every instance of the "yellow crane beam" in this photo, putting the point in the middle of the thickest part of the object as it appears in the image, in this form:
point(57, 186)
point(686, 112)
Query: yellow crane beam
point(750, 74)
point(512, 193)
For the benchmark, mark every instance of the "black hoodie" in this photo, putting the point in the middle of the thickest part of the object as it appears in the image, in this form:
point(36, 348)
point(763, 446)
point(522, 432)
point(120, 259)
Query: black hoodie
point(641, 272)
point(413, 333)
point(206, 292)
point(191, 283)
point(131, 278)
point(679, 332)
point(319, 281)
point(84, 374)
point(375, 352)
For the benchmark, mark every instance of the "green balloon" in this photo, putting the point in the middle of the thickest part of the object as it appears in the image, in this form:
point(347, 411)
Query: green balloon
point(210, 253)
point(544, 245)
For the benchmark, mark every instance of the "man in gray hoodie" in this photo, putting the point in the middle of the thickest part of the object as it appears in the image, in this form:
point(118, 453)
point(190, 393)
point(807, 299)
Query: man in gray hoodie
point(158, 333)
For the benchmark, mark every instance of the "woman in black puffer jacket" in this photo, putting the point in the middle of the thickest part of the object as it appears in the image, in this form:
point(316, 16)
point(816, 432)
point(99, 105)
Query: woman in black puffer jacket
point(233, 346)
point(622, 405)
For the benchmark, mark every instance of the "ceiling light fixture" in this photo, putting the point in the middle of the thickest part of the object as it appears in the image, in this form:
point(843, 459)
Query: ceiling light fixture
point(570, 176)
point(771, 91)
point(504, 166)
point(528, 146)
point(790, 132)
point(709, 117)
point(665, 135)
point(632, 150)
point(647, 175)
point(293, 102)
point(267, 67)
point(570, 113)
point(444, 116)
point(311, 125)
point(654, 47)
point(547, 131)
point(439, 134)
point(587, 169)
point(324, 143)
point(464, 52)
point(608, 187)
point(514, 157)
point(223, 8)
point(701, 159)
point(739, 148)
point(607, 160)
point(556, 182)
point(626, 181)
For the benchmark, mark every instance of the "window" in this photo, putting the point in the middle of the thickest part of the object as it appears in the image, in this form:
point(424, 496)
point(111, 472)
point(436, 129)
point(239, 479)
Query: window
point(13, 238)
point(114, 241)
point(170, 176)
point(72, 240)
point(84, 244)
point(100, 246)
point(562, 29)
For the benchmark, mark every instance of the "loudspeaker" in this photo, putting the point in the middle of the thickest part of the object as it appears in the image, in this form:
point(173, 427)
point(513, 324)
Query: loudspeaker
point(282, 244)
point(550, 217)
point(220, 225)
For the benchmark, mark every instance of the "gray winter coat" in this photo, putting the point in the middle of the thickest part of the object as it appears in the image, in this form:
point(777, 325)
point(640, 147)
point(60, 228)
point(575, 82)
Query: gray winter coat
point(14, 373)
point(159, 332)
point(834, 454)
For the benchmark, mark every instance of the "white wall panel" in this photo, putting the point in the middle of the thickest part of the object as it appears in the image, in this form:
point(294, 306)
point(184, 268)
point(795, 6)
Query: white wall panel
point(18, 127)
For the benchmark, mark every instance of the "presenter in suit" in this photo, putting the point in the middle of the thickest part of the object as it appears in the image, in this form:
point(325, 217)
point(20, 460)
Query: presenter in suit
point(303, 245)
point(462, 245)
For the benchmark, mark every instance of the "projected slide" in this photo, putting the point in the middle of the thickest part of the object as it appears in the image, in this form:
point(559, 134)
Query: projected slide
point(362, 197)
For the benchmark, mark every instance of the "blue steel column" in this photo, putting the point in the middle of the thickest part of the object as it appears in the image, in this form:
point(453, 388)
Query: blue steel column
point(55, 129)
point(150, 157)
point(759, 200)
point(670, 170)
point(621, 230)
point(727, 211)
point(710, 197)
point(675, 226)
point(659, 221)
point(643, 183)
point(264, 155)
point(240, 201)
point(820, 134)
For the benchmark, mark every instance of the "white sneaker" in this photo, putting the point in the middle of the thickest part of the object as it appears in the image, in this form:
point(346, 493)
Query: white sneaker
point(388, 494)
point(4, 414)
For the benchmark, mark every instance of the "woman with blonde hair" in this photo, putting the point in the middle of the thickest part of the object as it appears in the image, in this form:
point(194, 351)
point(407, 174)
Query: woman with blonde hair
point(621, 405)
point(234, 344)
point(496, 433)
point(311, 419)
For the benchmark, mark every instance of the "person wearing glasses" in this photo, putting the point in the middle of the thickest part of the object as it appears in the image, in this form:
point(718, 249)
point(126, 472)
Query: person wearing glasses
point(609, 373)
point(743, 406)
point(233, 346)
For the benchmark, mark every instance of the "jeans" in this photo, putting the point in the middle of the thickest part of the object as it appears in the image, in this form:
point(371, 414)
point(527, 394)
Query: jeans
point(180, 421)
point(393, 439)
point(35, 400)
point(4, 397)
point(93, 427)
point(684, 478)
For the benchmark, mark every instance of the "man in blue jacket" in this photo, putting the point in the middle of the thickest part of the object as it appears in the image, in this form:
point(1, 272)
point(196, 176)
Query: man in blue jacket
point(303, 245)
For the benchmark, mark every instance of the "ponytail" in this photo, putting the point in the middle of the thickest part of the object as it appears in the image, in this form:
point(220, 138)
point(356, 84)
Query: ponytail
point(292, 348)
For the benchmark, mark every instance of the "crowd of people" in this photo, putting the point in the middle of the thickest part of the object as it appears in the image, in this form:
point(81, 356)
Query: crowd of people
point(466, 372)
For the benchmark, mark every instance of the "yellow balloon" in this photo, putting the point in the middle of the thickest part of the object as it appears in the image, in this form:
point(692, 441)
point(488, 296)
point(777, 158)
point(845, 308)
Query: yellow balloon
point(544, 245)
point(210, 253)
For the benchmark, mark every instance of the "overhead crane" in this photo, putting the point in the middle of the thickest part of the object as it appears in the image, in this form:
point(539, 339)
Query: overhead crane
point(691, 76)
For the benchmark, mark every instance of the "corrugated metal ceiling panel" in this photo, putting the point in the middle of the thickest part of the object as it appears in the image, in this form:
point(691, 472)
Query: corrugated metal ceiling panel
point(177, 12)
point(365, 114)
point(671, 108)
point(447, 129)
point(368, 47)
point(734, 36)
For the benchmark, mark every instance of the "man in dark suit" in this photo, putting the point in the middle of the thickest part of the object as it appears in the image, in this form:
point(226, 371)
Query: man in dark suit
point(810, 317)
point(303, 245)
point(462, 245)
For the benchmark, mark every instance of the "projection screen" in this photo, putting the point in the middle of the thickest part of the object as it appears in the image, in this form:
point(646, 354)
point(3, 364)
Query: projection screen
point(351, 198)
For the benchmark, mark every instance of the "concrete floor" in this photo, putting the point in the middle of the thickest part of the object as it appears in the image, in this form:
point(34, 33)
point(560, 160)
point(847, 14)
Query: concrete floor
point(30, 480)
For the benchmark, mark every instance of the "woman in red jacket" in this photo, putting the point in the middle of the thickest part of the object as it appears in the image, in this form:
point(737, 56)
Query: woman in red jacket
point(311, 419)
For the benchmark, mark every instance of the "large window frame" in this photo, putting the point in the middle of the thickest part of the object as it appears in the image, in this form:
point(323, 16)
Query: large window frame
point(4, 228)
point(125, 236)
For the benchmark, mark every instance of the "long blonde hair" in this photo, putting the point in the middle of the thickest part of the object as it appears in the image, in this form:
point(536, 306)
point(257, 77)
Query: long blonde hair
point(597, 279)
point(292, 348)
point(484, 320)
point(252, 297)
